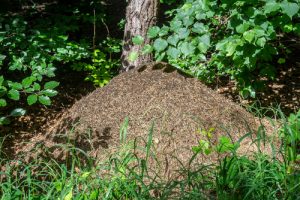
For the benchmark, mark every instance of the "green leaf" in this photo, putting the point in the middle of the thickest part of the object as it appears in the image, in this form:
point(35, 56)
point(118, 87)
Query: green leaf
point(281, 61)
point(205, 39)
point(271, 7)
point(16, 86)
point(199, 28)
point(51, 85)
point(17, 112)
point(173, 53)
point(163, 31)
point(160, 56)
point(147, 49)
point(133, 56)
point(173, 40)
point(3, 103)
point(249, 35)
point(183, 33)
point(36, 87)
point(13, 94)
point(160, 44)
point(69, 196)
point(26, 82)
point(32, 99)
point(49, 92)
point(153, 32)
point(261, 42)
point(187, 48)
point(225, 145)
point(44, 100)
point(4, 121)
point(289, 8)
point(242, 27)
point(138, 40)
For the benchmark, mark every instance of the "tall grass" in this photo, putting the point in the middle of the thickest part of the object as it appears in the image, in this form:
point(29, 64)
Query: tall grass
point(125, 175)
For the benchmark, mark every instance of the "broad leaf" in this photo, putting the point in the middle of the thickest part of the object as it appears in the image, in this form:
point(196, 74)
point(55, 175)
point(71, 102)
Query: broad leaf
point(173, 53)
point(289, 8)
point(17, 112)
point(32, 99)
point(3, 103)
point(13, 94)
point(160, 44)
point(153, 32)
point(51, 85)
point(44, 100)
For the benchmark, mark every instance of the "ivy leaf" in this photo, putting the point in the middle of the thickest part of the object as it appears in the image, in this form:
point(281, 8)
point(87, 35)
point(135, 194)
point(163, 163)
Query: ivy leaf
point(153, 32)
point(242, 27)
point(205, 39)
point(183, 33)
point(49, 92)
point(271, 7)
point(163, 31)
point(261, 42)
point(147, 49)
point(187, 48)
point(17, 112)
point(173, 53)
point(289, 8)
point(160, 44)
point(133, 56)
point(51, 85)
point(249, 36)
point(44, 100)
point(13, 94)
point(160, 56)
point(199, 28)
point(32, 99)
point(138, 40)
point(3, 103)
point(173, 40)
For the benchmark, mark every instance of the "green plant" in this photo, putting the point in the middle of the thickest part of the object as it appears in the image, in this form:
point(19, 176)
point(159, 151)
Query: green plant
point(290, 133)
point(238, 39)
point(103, 66)
point(262, 174)
point(28, 58)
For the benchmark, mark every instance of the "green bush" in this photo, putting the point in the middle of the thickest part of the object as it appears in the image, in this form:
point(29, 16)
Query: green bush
point(238, 39)
point(28, 57)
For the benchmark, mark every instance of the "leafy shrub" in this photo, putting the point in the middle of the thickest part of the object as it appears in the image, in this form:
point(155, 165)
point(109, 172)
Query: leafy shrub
point(27, 58)
point(239, 39)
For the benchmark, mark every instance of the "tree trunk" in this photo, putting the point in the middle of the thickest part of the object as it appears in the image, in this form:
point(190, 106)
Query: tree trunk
point(140, 16)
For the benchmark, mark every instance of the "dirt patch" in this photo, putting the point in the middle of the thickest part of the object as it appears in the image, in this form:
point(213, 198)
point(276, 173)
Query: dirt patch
point(178, 105)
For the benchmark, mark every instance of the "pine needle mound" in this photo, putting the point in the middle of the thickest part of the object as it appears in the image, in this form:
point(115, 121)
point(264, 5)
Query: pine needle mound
point(179, 106)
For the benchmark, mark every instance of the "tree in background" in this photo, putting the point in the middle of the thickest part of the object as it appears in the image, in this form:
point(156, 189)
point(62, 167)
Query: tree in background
point(140, 16)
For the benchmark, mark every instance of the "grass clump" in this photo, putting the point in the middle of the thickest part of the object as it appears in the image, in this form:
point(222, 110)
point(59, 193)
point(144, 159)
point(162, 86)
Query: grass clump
point(127, 175)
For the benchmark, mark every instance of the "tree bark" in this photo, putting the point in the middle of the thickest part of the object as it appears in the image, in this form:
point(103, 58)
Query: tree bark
point(140, 16)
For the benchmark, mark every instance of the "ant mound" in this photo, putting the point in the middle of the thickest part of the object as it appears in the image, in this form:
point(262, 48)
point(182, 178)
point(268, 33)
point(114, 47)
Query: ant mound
point(178, 107)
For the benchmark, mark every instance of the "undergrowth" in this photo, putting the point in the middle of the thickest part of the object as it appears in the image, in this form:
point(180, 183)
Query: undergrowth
point(126, 175)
